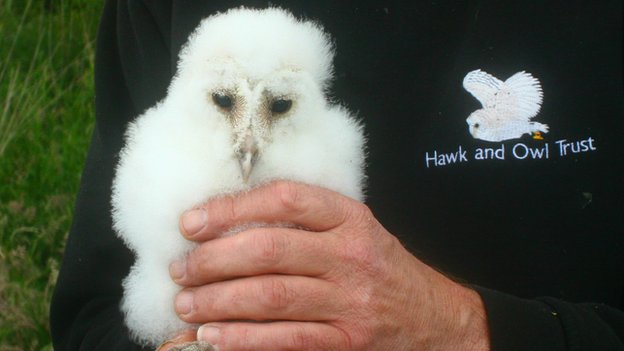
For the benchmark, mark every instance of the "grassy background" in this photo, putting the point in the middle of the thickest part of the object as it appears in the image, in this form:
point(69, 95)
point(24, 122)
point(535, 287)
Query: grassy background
point(46, 118)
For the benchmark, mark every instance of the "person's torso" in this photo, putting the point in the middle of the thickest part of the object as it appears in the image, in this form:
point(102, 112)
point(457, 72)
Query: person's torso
point(533, 214)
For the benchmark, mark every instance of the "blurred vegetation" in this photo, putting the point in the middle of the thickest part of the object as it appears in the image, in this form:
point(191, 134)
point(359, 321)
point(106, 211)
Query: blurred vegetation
point(46, 118)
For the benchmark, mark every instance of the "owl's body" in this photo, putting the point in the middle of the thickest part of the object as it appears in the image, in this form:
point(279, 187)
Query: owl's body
point(508, 106)
point(487, 124)
point(246, 106)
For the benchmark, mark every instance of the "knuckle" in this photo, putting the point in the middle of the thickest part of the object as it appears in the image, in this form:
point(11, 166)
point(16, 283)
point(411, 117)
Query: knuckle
point(301, 339)
point(231, 213)
point(287, 194)
point(275, 294)
point(357, 217)
point(241, 339)
point(358, 335)
point(269, 248)
point(198, 265)
point(364, 211)
point(222, 212)
point(194, 265)
point(362, 214)
point(200, 269)
point(361, 254)
point(362, 340)
point(345, 340)
point(203, 303)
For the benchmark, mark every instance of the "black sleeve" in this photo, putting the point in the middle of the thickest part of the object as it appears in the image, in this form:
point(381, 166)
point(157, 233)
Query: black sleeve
point(548, 324)
point(132, 70)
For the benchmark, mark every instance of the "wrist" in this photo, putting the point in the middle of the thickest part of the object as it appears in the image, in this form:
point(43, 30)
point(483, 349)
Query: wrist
point(470, 321)
point(450, 317)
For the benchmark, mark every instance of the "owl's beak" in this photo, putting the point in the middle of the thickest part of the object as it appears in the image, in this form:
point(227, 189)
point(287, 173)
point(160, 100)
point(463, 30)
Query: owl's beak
point(247, 156)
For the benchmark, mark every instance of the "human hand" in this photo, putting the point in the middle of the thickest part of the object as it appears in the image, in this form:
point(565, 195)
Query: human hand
point(343, 283)
point(179, 340)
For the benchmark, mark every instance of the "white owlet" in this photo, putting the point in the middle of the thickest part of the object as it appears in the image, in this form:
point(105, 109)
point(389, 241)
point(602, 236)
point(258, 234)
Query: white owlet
point(507, 106)
point(246, 106)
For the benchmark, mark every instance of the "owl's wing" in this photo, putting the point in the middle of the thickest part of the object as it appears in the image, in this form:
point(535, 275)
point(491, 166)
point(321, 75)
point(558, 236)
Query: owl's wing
point(482, 86)
point(520, 97)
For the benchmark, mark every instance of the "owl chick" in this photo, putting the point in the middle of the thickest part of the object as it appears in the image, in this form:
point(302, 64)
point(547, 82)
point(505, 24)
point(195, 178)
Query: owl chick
point(247, 105)
point(507, 106)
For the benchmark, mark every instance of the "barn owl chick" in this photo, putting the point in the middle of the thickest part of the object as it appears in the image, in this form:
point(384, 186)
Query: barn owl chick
point(247, 105)
point(507, 106)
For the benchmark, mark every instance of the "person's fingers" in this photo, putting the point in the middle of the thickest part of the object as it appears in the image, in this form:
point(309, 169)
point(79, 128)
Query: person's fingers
point(302, 205)
point(183, 337)
point(266, 297)
point(258, 251)
point(274, 336)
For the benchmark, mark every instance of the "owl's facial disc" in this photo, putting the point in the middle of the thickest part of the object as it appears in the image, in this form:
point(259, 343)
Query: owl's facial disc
point(252, 111)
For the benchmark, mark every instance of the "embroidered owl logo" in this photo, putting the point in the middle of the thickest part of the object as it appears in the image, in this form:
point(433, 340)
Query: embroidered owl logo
point(508, 106)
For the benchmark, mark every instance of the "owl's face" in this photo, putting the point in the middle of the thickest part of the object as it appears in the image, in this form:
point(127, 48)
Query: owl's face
point(482, 124)
point(256, 109)
point(486, 124)
point(256, 74)
point(475, 124)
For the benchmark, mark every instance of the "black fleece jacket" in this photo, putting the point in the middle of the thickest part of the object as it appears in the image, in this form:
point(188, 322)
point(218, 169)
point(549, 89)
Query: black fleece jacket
point(535, 223)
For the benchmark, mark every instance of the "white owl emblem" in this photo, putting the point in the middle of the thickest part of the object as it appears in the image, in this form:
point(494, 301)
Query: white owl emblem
point(507, 106)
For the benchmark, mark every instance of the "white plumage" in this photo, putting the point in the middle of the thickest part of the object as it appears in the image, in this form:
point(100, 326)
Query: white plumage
point(247, 105)
point(507, 106)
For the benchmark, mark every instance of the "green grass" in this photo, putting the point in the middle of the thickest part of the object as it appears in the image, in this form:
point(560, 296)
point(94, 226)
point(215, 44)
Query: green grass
point(46, 118)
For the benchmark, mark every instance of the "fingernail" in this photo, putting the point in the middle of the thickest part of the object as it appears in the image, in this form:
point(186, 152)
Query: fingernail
point(177, 269)
point(209, 333)
point(193, 221)
point(184, 303)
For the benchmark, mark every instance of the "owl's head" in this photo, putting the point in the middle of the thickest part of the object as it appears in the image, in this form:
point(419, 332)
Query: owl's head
point(483, 124)
point(258, 72)
point(475, 122)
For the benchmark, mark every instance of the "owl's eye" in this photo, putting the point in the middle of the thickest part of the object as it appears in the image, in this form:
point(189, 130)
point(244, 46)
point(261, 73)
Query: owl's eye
point(222, 100)
point(476, 125)
point(280, 106)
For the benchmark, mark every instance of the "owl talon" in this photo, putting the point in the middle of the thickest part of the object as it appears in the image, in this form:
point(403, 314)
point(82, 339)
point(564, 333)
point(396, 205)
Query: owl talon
point(193, 346)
